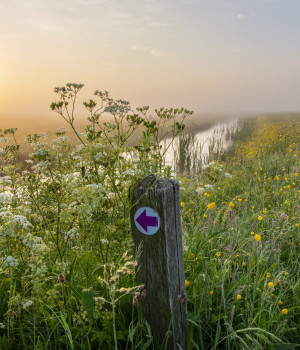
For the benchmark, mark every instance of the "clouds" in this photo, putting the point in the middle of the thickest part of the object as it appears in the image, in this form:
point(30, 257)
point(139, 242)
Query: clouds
point(153, 51)
point(241, 16)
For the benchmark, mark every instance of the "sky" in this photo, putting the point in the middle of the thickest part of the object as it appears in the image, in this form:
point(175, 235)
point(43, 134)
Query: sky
point(205, 55)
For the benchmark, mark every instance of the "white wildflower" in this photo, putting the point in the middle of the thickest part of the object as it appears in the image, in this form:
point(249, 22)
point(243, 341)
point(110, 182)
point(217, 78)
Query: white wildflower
point(27, 304)
point(200, 190)
point(73, 233)
point(11, 261)
point(209, 186)
point(5, 180)
point(4, 198)
point(61, 129)
point(22, 221)
point(228, 175)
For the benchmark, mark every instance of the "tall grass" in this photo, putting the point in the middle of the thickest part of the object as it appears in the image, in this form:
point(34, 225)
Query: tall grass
point(67, 259)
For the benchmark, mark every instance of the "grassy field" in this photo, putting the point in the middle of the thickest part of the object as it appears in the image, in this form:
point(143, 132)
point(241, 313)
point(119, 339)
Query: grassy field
point(67, 260)
point(241, 224)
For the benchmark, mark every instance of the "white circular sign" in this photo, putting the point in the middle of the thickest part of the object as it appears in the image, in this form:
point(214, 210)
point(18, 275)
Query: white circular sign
point(147, 220)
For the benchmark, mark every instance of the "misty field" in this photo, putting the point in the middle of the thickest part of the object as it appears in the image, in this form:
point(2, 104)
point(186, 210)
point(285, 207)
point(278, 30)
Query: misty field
point(67, 262)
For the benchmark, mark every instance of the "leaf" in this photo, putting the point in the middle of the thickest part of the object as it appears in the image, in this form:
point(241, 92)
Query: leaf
point(67, 329)
point(88, 302)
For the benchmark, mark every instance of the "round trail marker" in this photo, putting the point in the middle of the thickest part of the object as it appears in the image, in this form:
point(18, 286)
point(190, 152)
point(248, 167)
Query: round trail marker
point(147, 220)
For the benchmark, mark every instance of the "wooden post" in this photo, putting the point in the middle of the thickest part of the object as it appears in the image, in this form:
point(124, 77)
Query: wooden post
point(156, 227)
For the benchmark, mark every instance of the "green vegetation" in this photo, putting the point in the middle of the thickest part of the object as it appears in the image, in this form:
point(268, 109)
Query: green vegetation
point(67, 260)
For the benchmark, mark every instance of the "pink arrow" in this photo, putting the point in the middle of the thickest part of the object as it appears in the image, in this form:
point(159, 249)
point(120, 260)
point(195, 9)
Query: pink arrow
point(146, 221)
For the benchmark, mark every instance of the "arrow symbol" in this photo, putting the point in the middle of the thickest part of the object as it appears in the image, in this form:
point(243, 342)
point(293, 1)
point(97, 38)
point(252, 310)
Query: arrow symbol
point(146, 221)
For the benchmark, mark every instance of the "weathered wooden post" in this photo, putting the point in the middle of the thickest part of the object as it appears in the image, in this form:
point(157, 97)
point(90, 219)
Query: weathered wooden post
point(156, 226)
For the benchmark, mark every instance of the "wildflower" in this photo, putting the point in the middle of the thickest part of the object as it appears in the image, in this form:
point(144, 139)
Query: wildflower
point(27, 304)
point(218, 254)
point(231, 205)
point(257, 238)
point(182, 204)
point(200, 190)
point(211, 292)
point(238, 296)
point(268, 275)
point(206, 194)
point(260, 218)
point(211, 206)
point(11, 261)
point(186, 282)
point(271, 284)
point(244, 264)
point(286, 273)
point(240, 199)
point(252, 233)
point(284, 311)
point(209, 186)
point(280, 302)
point(2, 325)
point(61, 278)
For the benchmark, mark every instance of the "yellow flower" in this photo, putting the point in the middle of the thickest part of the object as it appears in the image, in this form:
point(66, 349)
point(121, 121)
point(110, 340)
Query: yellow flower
point(286, 273)
point(205, 215)
point(280, 302)
point(186, 282)
point(211, 292)
point(218, 254)
point(211, 206)
point(238, 296)
point(260, 218)
point(244, 264)
point(271, 284)
point(182, 204)
point(257, 238)
point(231, 205)
point(284, 311)
point(268, 275)
point(252, 233)
point(206, 194)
